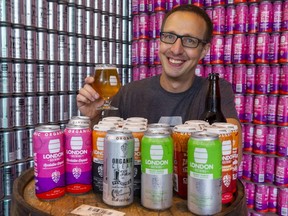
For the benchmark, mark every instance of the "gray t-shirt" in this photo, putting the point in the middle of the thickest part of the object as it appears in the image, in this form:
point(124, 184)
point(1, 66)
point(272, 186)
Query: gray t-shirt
point(146, 98)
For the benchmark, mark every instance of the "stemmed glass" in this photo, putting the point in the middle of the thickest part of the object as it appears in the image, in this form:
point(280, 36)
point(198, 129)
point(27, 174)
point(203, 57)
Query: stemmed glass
point(106, 83)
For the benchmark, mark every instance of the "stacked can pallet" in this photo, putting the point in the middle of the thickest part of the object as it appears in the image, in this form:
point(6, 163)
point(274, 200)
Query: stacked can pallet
point(47, 48)
point(250, 50)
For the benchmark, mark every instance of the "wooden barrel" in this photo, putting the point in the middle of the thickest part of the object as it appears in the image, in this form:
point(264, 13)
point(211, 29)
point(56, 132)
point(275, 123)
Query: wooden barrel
point(24, 202)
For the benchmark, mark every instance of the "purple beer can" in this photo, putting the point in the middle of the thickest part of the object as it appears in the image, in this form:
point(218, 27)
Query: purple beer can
point(239, 49)
point(230, 19)
point(262, 79)
point(228, 49)
point(250, 79)
point(248, 137)
point(281, 173)
point(151, 51)
point(143, 72)
point(282, 201)
point(143, 6)
point(261, 198)
point(143, 26)
point(248, 110)
point(258, 168)
point(251, 49)
point(247, 166)
point(283, 80)
point(135, 73)
point(272, 199)
point(228, 73)
point(260, 109)
point(152, 25)
point(270, 170)
point(135, 53)
point(159, 5)
point(283, 48)
point(241, 15)
point(274, 48)
point(265, 16)
point(143, 51)
point(217, 49)
point(272, 109)
point(277, 16)
point(260, 139)
point(135, 24)
point(239, 79)
point(218, 20)
point(157, 47)
point(282, 144)
point(274, 79)
point(262, 48)
point(253, 18)
point(250, 194)
point(282, 110)
point(271, 140)
point(159, 19)
point(284, 20)
point(239, 105)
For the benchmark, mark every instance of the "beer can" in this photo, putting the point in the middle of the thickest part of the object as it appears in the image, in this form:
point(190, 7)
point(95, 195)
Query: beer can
point(20, 168)
point(227, 54)
point(253, 18)
point(282, 146)
point(226, 140)
point(62, 78)
point(250, 79)
point(218, 20)
point(97, 24)
point(5, 8)
point(112, 27)
point(105, 51)
point(62, 15)
point(53, 108)
point(19, 114)
point(119, 7)
point(8, 178)
point(262, 48)
point(247, 166)
point(241, 15)
point(217, 49)
point(261, 198)
point(71, 20)
point(118, 28)
point(49, 169)
point(204, 173)
point(30, 79)
point(8, 145)
point(283, 48)
point(248, 108)
point(228, 73)
point(53, 78)
point(270, 170)
point(282, 110)
point(80, 120)
point(118, 168)
point(159, 17)
point(281, 172)
point(80, 20)
point(6, 105)
point(21, 143)
point(80, 43)
point(30, 107)
point(6, 77)
point(30, 44)
point(17, 15)
point(72, 43)
point(63, 107)
point(52, 15)
point(284, 20)
point(277, 16)
point(274, 48)
point(250, 51)
point(240, 106)
point(41, 45)
point(180, 136)
point(239, 78)
point(157, 170)
point(258, 169)
point(260, 139)
point(272, 109)
point(282, 200)
point(62, 47)
point(42, 78)
point(239, 49)
point(104, 25)
point(30, 12)
point(260, 109)
point(18, 70)
point(271, 140)
point(6, 42)
point(81, 74)
point(72, 78)
point(265, 16)
point(78, 163)
point(230, 17)
point(72, 106)
point(42, 107)
point(41, 10)
point(89, 21)
point(52, 46)
point(159, 5)
point(30, 151)
point(262, 79)
point(18, 43)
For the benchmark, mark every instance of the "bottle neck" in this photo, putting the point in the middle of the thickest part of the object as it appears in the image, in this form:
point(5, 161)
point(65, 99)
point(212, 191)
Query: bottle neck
point(213, 103)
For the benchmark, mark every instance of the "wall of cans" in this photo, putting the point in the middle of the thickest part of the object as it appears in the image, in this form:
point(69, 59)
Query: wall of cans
point(47, 48)
point(250, 50)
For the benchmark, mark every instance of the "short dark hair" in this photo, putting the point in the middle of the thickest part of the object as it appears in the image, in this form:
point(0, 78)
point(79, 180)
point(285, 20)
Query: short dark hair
point(197, 10)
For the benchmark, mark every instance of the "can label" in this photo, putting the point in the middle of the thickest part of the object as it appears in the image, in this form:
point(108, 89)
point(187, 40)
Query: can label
point(283, 48)
point(239, 49)
point(259, 167)
point(260, 109)
point(6, 116)
point(250, 79)
point(230, 16)
point(271, 140)
point(218, 20)
point(253, 20)
point(241, 15)
point(250, 193)
point(282, 200)
point(274, 79)
point(49, 167)
point(282, 110)
point(239, 78)
point(247, 166)
point(250, 54)
point(118, 168)
point(217, 50)
point(270, 170)
point(282, 145)
point(260, 139)
point(204, 174)
point(261, 198)
point(265, 16)
point(284, 24)
point(78, 162)
point(262, 48)
point(6, 78)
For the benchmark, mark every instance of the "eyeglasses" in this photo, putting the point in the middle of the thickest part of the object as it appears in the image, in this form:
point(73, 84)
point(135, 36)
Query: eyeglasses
point(187, 41)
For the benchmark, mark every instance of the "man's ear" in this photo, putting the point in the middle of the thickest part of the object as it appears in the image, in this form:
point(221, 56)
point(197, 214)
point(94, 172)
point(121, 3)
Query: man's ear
point(205, 50)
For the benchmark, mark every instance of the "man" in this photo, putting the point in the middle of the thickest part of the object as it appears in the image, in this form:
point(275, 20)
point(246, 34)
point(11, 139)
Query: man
point(177, 94)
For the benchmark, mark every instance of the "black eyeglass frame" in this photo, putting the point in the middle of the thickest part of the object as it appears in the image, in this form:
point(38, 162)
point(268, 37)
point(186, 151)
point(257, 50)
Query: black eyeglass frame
point(182, 36)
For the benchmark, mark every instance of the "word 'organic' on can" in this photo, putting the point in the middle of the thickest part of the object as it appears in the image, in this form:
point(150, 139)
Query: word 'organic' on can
point(49, 169)
point(157, 169)
point(204, 173)
point(78, 163)
point(118, 178)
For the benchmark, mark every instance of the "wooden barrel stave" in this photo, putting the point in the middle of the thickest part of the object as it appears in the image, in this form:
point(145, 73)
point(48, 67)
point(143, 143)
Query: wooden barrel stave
point(25, 202)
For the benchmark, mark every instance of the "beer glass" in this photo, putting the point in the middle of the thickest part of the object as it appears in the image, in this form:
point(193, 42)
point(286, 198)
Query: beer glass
point(106, 83)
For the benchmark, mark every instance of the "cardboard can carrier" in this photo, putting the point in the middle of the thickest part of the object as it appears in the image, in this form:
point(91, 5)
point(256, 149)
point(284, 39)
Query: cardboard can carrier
point(25, 202)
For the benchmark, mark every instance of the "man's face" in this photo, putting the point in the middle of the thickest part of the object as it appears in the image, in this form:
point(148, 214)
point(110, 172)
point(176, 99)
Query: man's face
point(178, 61)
